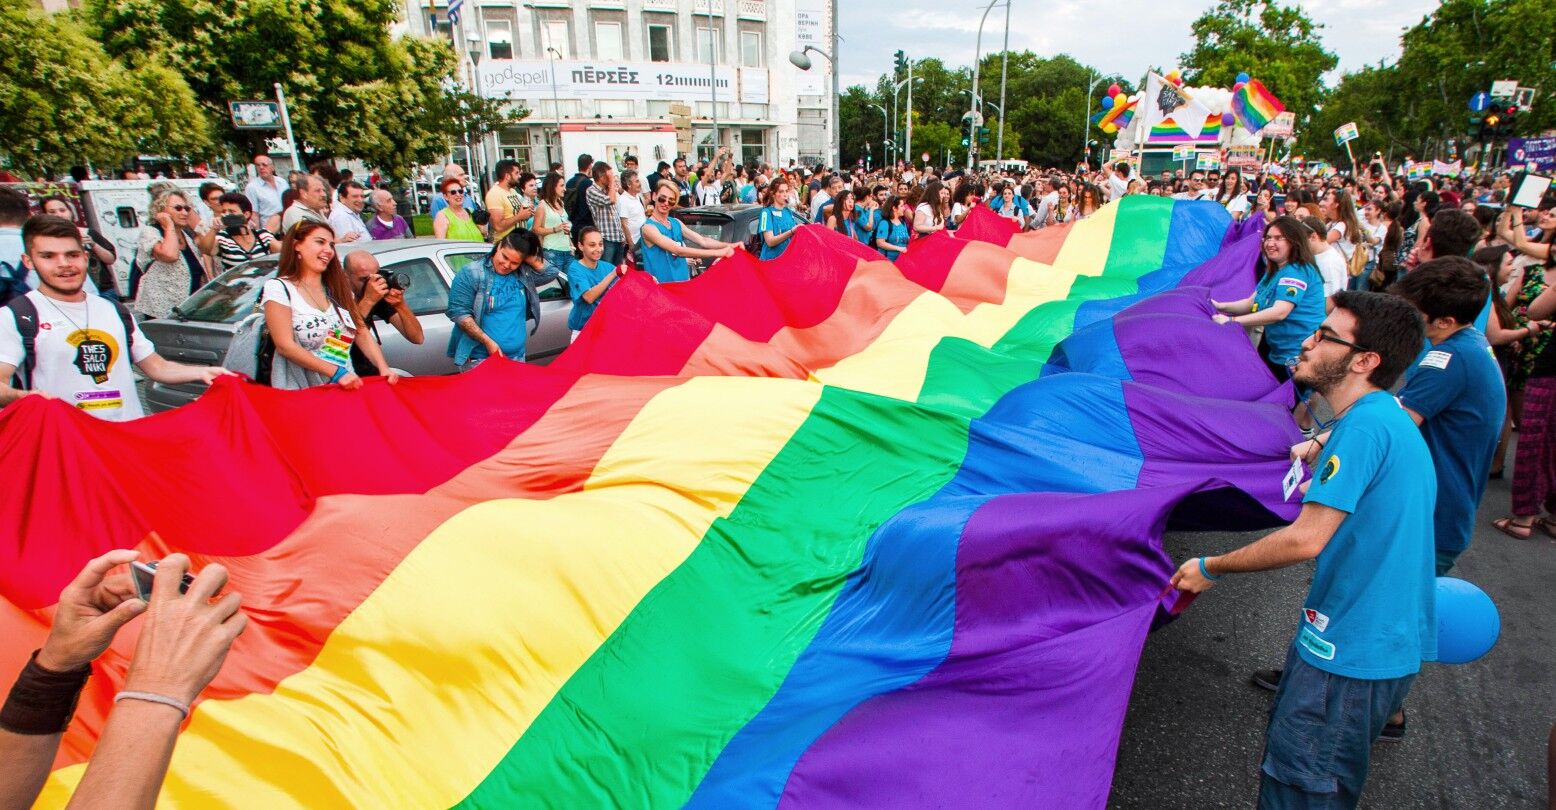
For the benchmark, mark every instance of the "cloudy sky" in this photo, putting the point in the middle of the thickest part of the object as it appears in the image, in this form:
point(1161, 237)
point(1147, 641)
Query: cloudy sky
point(1122, 36)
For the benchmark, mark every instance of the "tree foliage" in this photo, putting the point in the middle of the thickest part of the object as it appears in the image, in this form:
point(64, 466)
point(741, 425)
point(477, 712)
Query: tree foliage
point(64, 101)
point(352, 89)
point(1278, 44)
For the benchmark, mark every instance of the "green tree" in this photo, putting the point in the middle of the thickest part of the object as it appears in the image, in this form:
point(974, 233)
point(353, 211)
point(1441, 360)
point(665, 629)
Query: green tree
point(352, 89)
point(1279, 45)
point(68, 103)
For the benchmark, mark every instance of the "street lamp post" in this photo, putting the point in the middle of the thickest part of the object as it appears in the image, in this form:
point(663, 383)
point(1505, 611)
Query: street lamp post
point(556, 103)
point(999, 148)
point(972, 132)
point(713, 79)
point(1086, 122)
point(800, 60)
point(885, 137)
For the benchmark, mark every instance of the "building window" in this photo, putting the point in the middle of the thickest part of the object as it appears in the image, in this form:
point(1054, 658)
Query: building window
point(607, 40)
point(614, 108)
point(751, 48)
point(554, 35)
point(499, 39)
point(660, 45)
point(707, 45)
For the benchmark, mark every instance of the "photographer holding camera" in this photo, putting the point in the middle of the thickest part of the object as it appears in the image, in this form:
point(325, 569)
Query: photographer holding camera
point(240, 238)
point(380, 297)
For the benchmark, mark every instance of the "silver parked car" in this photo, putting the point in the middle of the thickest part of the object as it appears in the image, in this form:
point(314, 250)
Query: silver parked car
point(201, 327)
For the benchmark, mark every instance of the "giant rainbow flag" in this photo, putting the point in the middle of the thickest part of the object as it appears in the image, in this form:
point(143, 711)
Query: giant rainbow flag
point(825, 531)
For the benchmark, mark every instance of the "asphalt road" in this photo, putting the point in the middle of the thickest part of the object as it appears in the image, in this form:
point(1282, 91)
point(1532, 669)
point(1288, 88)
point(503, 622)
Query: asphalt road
point(1477, 736)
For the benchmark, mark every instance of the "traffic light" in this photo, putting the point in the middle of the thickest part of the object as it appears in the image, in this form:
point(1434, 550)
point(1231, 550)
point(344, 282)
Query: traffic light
point(901, 62)
point(965, 141)
point(1509, 119)
point(983, 135)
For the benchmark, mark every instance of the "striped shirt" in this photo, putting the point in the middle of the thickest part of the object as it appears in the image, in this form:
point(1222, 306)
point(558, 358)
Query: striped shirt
point(232, 254)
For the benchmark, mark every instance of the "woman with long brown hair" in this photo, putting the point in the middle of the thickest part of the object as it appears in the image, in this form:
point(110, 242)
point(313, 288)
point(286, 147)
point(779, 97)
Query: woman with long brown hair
point(552, 225)
point(1288, 301)
point(310, 315)
point(933, 209)
point(840, 215)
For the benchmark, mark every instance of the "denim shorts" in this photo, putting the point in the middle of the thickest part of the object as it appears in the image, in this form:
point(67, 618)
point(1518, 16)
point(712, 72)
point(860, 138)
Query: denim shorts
point(557, 260)
point(1320, 738)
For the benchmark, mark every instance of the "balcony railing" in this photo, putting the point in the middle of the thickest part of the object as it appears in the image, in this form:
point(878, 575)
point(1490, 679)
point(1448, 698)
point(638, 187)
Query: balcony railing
point(713, 7)
point(659, 5)
point(751, 9)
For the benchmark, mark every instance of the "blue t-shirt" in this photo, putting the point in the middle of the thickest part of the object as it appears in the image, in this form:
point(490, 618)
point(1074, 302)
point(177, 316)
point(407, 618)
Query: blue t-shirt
point(774, 221)
point(1304, 288)
point(505, 317)
point(1371, 610)
point(660, 263)
point(868, 218)
point(581, 279)
point(748, 193)
point(1457, 388)
point(1484, 317)
point(893, 233)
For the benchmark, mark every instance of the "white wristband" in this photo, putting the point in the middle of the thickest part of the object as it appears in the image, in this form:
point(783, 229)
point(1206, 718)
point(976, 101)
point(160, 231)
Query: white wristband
point(152, 697)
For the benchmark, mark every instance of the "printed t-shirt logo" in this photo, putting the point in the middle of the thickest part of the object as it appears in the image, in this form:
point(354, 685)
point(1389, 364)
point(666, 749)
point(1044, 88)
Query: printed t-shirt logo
point(96, 352)
point(1436, 359)
point(1331, 468)
point(1316, 619)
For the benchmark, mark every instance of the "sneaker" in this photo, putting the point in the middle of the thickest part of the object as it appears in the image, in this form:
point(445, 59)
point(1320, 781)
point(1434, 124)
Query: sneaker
point(1394, 732)
point(1267, 679)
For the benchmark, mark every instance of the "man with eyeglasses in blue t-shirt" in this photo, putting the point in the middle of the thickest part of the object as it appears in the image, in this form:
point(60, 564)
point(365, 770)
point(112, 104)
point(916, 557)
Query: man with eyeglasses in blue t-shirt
point(1369, 618)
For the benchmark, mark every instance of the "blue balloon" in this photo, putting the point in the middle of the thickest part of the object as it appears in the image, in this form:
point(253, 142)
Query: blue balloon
point(1242, 78)
point(1107, 102)
point(1468, 623)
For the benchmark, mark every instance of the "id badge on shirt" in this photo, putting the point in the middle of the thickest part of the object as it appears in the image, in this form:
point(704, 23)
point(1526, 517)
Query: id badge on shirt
point(337, 348)
point(1292, 480)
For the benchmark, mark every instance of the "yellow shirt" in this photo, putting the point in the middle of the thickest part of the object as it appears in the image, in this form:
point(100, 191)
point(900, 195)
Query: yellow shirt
point(501, 202)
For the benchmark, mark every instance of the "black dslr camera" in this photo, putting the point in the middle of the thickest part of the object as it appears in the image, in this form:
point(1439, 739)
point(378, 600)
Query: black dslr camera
point(395, 279)
point(233, 224)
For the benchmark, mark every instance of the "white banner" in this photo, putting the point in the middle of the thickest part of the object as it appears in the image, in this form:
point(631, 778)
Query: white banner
point(659, 81)
point(810, 28)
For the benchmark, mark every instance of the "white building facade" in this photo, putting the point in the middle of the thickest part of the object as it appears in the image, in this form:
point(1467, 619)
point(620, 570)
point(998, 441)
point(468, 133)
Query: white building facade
point(645, 78)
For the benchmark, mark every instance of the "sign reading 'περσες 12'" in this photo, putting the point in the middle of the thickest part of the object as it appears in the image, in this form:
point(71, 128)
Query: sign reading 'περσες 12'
point(532, 79)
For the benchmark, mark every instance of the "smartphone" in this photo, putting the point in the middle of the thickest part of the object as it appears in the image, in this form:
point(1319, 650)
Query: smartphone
point(143, 574)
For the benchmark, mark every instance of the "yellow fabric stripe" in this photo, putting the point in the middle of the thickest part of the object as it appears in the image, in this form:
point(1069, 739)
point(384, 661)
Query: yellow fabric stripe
point(428, 720)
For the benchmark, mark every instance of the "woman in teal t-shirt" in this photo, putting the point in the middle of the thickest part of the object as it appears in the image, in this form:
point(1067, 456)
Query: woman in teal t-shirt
point(664, 239)
point(776, 222)
point(588, 278)
point(1288, 301)
point(891, 236)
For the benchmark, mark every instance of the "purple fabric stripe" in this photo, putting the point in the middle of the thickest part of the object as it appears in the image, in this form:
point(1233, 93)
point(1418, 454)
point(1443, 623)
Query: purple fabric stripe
point(1055, 593)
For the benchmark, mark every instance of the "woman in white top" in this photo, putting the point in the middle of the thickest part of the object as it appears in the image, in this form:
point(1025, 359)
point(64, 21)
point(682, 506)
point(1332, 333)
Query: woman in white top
point(1233, 195)
point(935, 208)
point(1345, 228)
point(170, 266)
point(310, 315)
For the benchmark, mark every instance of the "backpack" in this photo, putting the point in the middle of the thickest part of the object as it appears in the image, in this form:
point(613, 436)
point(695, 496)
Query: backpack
point(576, 203)
point(13, 281)
point(252, 352)
point(26, 314)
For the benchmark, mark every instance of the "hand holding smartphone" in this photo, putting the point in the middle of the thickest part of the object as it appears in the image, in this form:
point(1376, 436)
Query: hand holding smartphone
point(143, 574)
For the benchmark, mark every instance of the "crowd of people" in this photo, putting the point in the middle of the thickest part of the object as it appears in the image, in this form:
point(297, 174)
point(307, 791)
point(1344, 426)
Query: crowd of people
point(1366, 284)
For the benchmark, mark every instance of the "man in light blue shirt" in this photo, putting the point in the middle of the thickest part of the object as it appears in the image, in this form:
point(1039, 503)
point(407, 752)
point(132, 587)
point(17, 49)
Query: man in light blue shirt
point(1369, 618)
point(265, 190)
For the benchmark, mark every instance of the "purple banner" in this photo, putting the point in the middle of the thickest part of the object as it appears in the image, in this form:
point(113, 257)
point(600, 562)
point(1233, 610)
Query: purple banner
point(1521, 152)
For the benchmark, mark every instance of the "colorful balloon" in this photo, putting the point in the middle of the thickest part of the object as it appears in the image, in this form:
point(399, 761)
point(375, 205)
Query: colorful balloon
point(1239, 86)
point(1107, 102)
point(1242, 78)
point(1114, 89)
point(1228, 119)
point(1172, 75)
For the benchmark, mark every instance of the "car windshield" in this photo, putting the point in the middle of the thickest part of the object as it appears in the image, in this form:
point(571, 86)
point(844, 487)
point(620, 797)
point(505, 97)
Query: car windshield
point(712, 228)
point(230, 296)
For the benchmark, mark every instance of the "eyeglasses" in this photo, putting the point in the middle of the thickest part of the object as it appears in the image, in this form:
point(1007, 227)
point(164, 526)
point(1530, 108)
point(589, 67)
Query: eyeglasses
point(1323, 334)
point(181, 207)
point(455, 191)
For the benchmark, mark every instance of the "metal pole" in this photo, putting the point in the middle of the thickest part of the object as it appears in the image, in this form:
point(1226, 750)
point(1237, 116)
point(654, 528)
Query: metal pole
point(909, 135)
point(885, 138)
point(713, 79)
point(837, 118)
point(972, 131)
point(999, 149)
point(286, 122)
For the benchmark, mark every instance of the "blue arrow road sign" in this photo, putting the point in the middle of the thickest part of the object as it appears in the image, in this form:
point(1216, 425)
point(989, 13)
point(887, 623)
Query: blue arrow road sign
point(1480, 101)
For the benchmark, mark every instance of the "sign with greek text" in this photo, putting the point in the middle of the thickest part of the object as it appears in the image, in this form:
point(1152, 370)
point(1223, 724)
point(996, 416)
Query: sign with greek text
point(660, 81)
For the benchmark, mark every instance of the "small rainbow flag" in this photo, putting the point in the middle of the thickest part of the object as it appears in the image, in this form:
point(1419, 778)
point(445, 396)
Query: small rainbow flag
point(1255, 106)
point(1169, 132)
point(1123, 111)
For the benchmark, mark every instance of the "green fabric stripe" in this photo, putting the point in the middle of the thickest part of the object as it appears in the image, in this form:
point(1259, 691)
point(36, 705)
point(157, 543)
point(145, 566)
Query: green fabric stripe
point(646, 716)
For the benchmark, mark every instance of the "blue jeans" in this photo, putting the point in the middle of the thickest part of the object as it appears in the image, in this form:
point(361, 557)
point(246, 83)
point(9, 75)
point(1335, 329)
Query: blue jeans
point(557, 260)
point(614, 253)
point(1320, 738)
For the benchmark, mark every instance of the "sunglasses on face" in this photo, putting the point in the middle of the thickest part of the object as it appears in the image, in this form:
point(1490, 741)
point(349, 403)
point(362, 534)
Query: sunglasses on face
point(455, 191)
point(181, 208)
point(664, 200)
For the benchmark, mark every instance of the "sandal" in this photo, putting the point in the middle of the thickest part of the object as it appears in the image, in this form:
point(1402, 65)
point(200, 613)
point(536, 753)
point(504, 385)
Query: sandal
point(1519, 531)
point(1547, 526)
